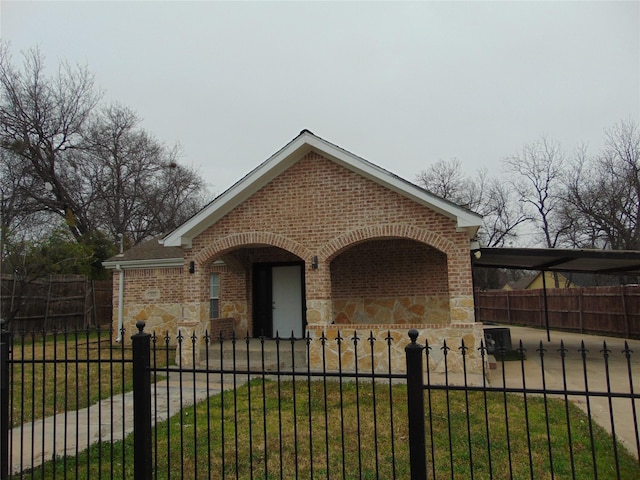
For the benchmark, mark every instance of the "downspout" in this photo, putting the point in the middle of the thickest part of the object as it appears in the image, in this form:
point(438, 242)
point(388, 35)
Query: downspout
point(120, 301)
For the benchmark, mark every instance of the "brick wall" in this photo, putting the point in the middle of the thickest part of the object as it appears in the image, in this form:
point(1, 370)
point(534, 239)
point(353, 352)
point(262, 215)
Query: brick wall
point(389, 268)
point(319, 208)
point(376, 250)
point(390, 282)
point(221, 328)
point(151, 295)
point(317, 201)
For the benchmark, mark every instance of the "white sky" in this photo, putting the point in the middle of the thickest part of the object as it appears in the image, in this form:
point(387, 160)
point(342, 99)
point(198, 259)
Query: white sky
point(400, 84)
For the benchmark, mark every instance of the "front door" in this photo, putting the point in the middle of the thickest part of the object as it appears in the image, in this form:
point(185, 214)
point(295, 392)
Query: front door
point(278, 300)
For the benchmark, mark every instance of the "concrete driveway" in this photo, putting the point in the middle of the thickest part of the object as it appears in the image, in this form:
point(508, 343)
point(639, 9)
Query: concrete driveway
point(623, 375)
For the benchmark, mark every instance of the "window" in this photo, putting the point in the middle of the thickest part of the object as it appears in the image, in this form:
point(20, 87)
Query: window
point(214, 296)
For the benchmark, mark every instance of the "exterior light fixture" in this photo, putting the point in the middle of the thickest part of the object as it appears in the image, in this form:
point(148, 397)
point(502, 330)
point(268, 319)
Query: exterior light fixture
point(192, 267)
point(314, 262)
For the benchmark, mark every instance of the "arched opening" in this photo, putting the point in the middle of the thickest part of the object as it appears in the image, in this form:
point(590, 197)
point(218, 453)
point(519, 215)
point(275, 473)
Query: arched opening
point(261, 287)
point(390, 281)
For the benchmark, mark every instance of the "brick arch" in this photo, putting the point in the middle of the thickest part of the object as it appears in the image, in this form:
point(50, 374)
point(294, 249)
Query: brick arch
point(341, 243)
point(231, 242)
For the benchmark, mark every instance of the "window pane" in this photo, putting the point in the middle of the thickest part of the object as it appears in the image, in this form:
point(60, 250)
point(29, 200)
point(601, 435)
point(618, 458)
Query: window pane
point(214, 295)
point(214, 286)
point(214, 310)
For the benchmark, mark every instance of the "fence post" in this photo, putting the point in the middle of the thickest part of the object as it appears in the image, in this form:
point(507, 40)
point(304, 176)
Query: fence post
point(5, 338)
point(142, 465)
point(415, 404)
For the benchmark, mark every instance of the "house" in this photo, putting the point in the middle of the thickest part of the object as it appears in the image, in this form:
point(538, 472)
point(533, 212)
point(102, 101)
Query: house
point(312, 242)
point(535, 282)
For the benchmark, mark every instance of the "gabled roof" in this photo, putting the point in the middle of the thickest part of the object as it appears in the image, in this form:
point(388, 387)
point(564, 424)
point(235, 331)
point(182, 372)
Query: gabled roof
point(523, 283)
point(304, 143)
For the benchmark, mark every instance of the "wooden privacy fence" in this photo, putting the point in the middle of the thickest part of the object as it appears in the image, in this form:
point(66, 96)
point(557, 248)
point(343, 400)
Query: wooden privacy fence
point(57, 302)
point(601, 310)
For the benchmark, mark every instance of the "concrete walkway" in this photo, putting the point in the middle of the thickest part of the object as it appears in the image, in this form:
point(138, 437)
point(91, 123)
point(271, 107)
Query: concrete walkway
point(110, 420)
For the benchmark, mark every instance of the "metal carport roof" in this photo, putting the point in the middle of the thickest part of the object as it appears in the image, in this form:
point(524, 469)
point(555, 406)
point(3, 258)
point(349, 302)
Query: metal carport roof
point(560, 260)
point(611, 262)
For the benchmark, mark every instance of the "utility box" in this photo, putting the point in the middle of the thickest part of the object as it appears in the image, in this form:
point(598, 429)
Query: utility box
point(497, 337)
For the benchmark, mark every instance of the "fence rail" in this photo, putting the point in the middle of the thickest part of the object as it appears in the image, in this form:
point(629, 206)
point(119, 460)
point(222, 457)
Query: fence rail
point(77, 405)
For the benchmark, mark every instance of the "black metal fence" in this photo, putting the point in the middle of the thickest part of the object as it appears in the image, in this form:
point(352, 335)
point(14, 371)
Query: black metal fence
point(77, 405)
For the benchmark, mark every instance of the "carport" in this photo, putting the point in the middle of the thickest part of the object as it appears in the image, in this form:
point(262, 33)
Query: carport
point(609, 262)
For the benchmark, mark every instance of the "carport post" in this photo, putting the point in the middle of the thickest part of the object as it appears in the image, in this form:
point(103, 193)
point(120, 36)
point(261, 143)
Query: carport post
point(546, 305)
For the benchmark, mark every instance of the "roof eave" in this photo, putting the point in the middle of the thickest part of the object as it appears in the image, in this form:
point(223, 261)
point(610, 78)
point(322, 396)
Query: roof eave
point(150, 263)
point(466, 220)
point(238, 193)
point(304, 143)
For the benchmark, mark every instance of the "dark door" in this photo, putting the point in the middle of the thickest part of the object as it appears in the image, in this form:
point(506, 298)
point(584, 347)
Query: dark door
point(278, 300)
point(262, 303)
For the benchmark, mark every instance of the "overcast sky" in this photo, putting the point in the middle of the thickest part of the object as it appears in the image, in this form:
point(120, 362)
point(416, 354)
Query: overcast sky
point(400, 84)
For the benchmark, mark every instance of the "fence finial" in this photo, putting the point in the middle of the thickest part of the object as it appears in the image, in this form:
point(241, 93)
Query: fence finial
point(140, 326)
point(413, 335)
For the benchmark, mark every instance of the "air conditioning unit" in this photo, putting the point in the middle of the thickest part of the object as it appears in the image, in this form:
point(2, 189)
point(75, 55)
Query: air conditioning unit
point(496, 338)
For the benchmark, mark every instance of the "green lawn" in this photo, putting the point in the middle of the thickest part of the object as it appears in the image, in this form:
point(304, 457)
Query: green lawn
point(295, 444)
point(95, 368)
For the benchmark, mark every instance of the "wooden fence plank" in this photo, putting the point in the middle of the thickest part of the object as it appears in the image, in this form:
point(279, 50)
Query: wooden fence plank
point(64, 301)
point(602, 310)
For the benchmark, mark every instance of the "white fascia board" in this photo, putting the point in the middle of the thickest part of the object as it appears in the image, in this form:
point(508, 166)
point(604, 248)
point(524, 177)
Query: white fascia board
point(238, 193)
point(152, 263)
point(290, 154)
point(466, 220)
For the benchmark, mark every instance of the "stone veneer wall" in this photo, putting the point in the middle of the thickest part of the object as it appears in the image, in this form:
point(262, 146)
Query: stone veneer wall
point(392, 310)
point(433, 335)
point(153, 295)
point(391, 281)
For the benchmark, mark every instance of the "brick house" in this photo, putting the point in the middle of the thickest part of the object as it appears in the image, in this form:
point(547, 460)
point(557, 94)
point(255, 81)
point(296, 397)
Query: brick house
point(314, 240)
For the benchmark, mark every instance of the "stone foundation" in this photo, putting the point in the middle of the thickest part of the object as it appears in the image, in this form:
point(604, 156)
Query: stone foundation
point(384, 351)
point(235, 310)
point(392, 310)
point(159, 318)
point(189, 352)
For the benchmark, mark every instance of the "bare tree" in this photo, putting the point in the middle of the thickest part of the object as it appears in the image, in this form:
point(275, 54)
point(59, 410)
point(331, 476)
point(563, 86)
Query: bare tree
point(603, 192)
point(94, 168)
point(503, 216)
point(42, 119)
point(137, 186)
point(445, 179)
point(540, 167)
point(489, 197)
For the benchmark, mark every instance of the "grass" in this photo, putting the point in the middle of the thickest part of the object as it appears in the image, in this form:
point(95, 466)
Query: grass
point(290, 434)
point(45, 384)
